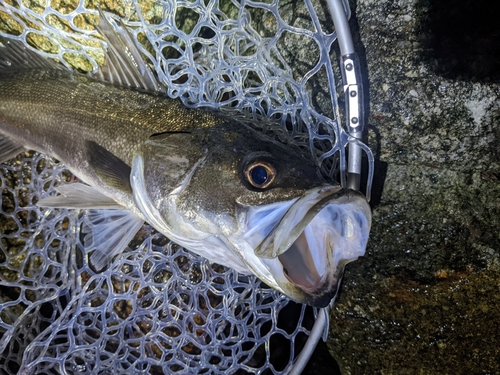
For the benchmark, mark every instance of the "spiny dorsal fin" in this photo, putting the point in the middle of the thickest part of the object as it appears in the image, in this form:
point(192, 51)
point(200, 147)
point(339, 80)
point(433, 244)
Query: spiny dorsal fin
point(124, 64)
point(14, 54)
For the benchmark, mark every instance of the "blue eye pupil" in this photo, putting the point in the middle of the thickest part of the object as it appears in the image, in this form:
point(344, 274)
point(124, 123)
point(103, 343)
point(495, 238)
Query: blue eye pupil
point(259, 175)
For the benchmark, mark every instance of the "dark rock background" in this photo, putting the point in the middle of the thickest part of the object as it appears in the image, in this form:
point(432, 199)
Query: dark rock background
point(425, 297)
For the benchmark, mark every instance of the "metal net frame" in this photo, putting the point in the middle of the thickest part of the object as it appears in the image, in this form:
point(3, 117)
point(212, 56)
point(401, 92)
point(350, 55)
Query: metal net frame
point(157, 308)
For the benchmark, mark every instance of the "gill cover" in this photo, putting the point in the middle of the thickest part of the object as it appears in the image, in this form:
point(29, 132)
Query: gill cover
point(161, 170)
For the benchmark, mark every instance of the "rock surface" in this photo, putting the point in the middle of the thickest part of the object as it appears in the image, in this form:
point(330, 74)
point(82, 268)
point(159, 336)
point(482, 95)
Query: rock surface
point(425, 297)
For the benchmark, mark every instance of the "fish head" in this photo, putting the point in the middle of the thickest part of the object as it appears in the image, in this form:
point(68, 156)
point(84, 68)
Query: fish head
point(248, 202)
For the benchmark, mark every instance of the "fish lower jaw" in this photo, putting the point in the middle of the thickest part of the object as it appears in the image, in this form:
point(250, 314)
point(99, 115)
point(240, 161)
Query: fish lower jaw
point(311, 282)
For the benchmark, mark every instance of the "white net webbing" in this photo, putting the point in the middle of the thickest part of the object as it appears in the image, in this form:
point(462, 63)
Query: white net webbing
point(158, 309)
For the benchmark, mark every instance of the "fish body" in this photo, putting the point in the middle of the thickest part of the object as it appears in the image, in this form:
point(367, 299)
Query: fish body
point(73, 117)
point(208, 182)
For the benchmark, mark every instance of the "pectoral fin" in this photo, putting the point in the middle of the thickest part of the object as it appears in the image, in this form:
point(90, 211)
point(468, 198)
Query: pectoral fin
point(111, 170)
point(108, 233)
point(78, 196)
point(8, 148)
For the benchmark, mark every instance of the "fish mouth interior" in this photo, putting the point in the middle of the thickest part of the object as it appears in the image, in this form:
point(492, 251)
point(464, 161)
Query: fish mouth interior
point(298, 265)
point(306, 242)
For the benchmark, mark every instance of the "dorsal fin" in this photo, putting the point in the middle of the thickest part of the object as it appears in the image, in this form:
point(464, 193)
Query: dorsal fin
point(14, 54)
point(124, 64)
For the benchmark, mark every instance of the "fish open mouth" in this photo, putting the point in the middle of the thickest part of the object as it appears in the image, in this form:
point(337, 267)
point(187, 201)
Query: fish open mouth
point(319, 233)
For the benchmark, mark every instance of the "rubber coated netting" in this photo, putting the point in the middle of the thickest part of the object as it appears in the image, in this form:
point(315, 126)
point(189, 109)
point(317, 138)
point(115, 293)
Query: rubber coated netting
point(158, 309)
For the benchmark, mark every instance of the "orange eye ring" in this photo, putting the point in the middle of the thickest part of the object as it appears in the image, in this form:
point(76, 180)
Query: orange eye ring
point(260, 174)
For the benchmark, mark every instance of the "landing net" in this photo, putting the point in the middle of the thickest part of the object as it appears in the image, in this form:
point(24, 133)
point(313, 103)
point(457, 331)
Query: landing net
point(159, 309)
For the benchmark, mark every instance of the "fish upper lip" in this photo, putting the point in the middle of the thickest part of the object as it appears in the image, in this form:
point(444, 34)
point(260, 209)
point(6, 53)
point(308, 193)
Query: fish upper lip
point(333, 231)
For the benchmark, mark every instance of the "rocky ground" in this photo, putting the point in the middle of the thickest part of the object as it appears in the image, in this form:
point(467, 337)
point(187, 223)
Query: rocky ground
point(425, 297)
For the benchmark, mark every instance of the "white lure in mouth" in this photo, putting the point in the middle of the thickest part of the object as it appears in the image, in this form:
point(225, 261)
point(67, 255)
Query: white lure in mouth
point(319, 233)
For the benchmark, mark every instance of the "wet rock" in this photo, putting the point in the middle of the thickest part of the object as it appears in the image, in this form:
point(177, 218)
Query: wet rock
point(424, 298)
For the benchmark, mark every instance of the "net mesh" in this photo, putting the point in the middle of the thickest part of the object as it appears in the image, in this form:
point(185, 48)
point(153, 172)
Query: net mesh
point(157, 308)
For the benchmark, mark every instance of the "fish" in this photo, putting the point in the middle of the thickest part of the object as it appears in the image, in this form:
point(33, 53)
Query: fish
point(209, 182)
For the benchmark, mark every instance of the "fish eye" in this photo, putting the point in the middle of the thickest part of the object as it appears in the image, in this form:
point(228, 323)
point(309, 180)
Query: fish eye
point(260, 174)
